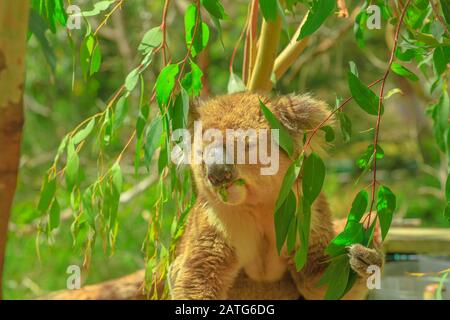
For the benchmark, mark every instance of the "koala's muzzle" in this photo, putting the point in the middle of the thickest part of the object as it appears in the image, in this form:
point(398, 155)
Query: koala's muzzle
point(220, 174)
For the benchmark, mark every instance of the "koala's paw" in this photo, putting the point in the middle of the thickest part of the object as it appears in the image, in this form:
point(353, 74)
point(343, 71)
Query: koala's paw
point(362, 257)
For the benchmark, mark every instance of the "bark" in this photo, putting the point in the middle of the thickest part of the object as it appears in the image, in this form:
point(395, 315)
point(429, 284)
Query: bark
point(130, 287)
point(13, 30)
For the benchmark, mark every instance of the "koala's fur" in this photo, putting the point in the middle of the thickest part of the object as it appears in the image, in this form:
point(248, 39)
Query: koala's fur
point(228, 251)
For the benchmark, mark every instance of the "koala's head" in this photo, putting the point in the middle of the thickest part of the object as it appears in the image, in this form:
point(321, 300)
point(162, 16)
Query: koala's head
point(236, 158)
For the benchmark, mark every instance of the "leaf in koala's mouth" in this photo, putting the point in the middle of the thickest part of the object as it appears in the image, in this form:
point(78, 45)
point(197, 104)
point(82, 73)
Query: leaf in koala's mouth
point(223, 190)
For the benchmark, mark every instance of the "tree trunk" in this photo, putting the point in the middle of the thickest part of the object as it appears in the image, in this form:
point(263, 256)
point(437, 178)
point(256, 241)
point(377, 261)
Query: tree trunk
point(13, 31)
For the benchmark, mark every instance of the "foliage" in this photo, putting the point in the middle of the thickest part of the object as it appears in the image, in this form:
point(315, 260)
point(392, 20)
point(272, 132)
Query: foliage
point(89, 171)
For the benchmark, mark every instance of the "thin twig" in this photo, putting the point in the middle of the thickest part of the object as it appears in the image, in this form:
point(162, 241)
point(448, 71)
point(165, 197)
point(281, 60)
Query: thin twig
point(380, 104)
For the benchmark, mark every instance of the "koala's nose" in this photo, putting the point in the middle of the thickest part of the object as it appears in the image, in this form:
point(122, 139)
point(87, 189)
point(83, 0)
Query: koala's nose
point(220, 174)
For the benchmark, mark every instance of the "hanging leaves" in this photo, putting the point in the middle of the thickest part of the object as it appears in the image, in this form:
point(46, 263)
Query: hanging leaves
point(193, 24)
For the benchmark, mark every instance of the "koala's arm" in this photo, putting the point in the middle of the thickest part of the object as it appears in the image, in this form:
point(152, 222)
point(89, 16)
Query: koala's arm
point(206, 265)
point(360, 258)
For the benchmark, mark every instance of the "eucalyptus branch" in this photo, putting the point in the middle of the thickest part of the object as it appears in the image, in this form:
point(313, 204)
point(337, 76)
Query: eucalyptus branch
point(107, 16)
point(265, 58)
point(250, 49)
point(380, 104)
point(290, 54)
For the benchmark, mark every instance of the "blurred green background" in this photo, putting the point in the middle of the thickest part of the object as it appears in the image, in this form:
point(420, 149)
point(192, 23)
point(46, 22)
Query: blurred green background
point(56, 101)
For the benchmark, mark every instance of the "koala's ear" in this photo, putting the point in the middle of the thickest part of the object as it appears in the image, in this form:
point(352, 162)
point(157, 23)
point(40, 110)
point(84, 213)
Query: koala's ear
point(301, 112)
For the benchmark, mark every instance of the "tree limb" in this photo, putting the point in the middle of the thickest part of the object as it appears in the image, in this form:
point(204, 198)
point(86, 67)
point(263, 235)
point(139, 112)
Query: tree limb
point(265, 58)
point(290, 54)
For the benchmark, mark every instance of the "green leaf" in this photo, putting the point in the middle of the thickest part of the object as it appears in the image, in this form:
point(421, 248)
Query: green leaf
point(353, 233)
point(304, 224)
point(83, 133)
point(393, 92)
point(447, 211)
point(329, 133)
point(359, 206)
point(354, 230)
point(269, 9)
point(199, 42)
point(288, 181)
point(366, 159)
point(165, 84)
point(404, 72)
point(319, 12)
point(192, 81)
point(117, 178)
point(284, 138)
point(120, 111)
point(96, 60)
point(336, 276)
point(283, 218)
point(47, 193)
point(346, 126)
point(87, 48)
point(180, 112)
point(440, 114)
point(363, 96)
point(446, 10)
point(291, 236)
point(386, 203)
point(235, 84)
point(153, 139)
point(439, 60)
point(88, 209)
point(313, 177)
point(99, 7)
point(132, 80)
point(151, 40)
point(215, 8)
point(353, 68)
point(360, 25)
point(52, 11)
point(38, 27)
point(54, 216)
point(72, 166)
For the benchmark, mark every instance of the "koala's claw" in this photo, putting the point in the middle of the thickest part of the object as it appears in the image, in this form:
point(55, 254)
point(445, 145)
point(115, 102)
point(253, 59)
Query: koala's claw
point(362, 257)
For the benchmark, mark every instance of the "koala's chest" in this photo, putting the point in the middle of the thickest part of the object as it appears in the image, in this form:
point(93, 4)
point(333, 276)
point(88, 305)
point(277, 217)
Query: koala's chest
point(254, 242)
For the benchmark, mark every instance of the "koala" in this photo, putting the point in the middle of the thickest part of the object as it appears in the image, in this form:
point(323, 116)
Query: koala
point(228, 249)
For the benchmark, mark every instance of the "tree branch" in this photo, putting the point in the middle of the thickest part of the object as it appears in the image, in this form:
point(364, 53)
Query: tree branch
point(265, 58)
point(290, 54)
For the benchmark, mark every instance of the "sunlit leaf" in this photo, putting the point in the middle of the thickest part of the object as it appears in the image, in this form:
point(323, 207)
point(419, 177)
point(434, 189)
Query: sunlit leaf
point(403, 71)
point(193, 23)
point(165, 84)
point(320, 10)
